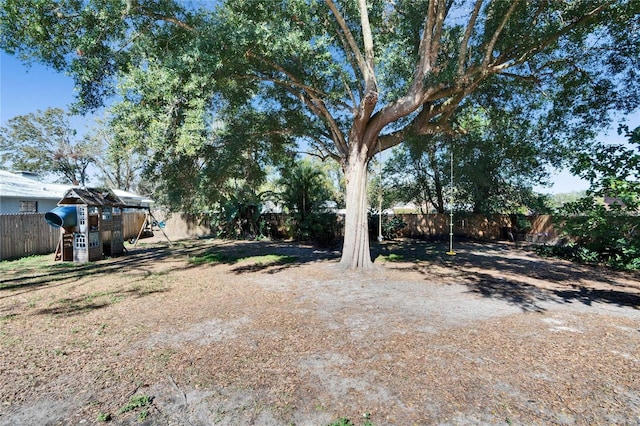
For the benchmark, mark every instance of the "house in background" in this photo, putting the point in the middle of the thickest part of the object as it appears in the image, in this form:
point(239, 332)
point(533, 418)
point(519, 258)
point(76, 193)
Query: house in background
point(25, 202)
point(22, 194)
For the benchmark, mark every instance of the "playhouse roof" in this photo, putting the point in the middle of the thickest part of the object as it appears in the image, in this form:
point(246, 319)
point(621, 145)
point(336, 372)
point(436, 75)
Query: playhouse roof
point(91, 197)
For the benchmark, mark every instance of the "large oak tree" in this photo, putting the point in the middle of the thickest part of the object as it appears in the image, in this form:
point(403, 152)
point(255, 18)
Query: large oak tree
point(350, 78)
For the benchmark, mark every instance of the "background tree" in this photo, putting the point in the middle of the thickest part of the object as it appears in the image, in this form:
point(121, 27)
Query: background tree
point(198, 156)
point(501, 157)
point(120, 166)
point(613, 170)
point(309, 195)
point(413, 173)
point(46, 143)
point(346, 77)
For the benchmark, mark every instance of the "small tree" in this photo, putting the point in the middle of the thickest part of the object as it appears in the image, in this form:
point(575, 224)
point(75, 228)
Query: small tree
point(307, 193)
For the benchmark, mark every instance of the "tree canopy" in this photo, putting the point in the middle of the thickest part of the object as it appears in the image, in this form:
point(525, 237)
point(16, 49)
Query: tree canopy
point(347, 78)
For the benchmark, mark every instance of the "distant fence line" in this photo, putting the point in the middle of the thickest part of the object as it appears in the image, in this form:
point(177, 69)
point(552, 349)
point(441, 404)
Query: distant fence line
point(29, 234)
point(429, 226)
point(479, 227)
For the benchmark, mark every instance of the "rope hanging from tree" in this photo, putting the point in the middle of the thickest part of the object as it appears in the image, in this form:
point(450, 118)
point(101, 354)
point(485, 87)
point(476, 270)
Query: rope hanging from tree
point(451, 252)
point(380, 237)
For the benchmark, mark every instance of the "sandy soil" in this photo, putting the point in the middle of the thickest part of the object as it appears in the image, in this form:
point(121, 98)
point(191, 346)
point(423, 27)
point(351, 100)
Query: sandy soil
point(210, 334)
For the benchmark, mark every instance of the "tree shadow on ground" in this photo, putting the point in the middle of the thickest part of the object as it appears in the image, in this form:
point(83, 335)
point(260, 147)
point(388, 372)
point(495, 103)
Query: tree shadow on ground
point(518, 276)
point(260, 256)
point(33, 278)
point(492, 270)
point(78, 305)
point(526, 296)
point(139, 259)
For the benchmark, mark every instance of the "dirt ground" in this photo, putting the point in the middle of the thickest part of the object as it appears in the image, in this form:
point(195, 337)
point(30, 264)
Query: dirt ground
point(216, 332)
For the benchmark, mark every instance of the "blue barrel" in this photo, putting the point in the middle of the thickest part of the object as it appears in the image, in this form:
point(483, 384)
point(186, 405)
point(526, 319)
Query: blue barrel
point(62, 216)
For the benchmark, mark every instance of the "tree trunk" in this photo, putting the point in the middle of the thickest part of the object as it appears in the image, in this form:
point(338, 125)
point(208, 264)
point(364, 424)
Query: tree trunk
point(355, 250)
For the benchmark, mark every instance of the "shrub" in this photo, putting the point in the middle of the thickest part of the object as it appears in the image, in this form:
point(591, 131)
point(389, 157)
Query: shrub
point(392, 226)
point(600, 234)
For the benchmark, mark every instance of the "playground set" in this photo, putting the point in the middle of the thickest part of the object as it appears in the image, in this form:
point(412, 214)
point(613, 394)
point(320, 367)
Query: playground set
point(91, 225)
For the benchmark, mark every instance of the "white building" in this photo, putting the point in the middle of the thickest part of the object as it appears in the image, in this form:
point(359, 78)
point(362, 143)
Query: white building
point(20, 194)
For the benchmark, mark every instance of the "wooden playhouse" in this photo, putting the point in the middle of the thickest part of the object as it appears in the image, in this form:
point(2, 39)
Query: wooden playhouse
point(91, 225)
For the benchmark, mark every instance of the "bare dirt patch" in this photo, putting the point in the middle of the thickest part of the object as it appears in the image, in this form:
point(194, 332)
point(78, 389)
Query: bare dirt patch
point(217, 332)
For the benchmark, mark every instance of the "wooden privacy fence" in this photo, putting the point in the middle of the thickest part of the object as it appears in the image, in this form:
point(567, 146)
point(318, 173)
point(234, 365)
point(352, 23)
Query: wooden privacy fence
point(26, 234)
point(29, 234)
point(131, 224)
point(478, 227)
point(538, 229)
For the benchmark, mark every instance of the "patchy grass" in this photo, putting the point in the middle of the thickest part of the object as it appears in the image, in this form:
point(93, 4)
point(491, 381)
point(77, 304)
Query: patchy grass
point(344, 421)
point(267, 259)
point(41, 270)
point(136, 401)
point(6, 318)
point(36, 263)
point(26, 263)
point(212, 258)
point(104, 296)
point(393, 257)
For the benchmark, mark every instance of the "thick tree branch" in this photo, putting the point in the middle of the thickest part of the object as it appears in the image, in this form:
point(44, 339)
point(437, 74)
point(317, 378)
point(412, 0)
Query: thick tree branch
point(370, 99)
point(322, 112)
point(362, 63)
point(352, 62)
point(494, 39)
point(428, 55)
point(319, 109)
point(464, 45)
point(424, 64)
point(392, 139)
point(151, 14)
point(441, 13)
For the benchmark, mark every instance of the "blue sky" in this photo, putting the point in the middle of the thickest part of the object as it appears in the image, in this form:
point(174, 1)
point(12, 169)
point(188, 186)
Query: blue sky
point(25, 89)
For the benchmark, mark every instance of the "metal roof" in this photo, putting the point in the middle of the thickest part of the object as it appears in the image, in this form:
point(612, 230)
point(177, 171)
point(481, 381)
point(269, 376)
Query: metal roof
point(16, 186)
